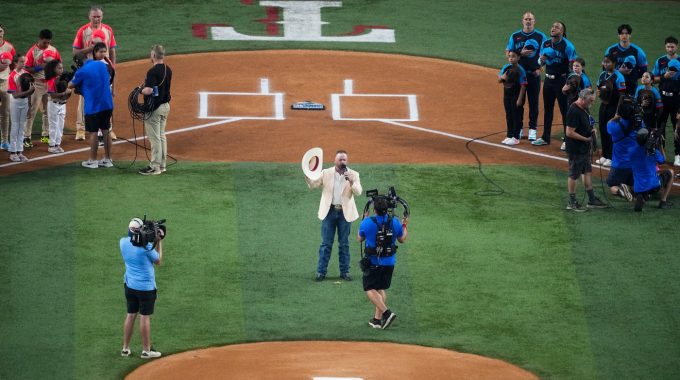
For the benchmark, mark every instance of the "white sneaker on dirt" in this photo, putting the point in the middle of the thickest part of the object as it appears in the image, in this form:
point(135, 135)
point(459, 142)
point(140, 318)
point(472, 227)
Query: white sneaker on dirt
point(512, 141)
point(532, 134)
point(563, 147)
point(677, 160)
point(505, 140)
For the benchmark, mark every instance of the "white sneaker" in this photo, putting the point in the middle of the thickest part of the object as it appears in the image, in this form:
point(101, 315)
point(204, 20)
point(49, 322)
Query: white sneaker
point(513, 141)
point(505, 140)
point(532, 134)
point(600, 160)
point(22, 158)
point(14, 158)
point(150, 354)
point(125, 352)
point(607, 162)
point(53, 149)
point(563, 147)
point(91, 164)
point(61, 150)
point(677, 160)
point(105, 162)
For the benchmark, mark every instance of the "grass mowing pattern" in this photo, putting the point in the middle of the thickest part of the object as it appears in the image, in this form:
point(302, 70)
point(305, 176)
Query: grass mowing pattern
point(513, 276)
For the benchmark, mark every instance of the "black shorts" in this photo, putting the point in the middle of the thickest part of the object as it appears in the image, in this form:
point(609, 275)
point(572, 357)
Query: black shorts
point(620, 176)
point(99, 120)
point(579, 164)
point(378, 277)
point(140, 301)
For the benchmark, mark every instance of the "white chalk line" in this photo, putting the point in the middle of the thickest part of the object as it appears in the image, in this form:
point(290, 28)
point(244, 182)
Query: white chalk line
point(122, 141)
point(512, 148)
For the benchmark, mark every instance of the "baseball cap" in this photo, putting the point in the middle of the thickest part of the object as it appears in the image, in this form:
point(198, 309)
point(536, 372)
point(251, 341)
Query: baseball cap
point(630, 62)
point(531, 45)
point(135, 223)
point(549, 52)
point(674, 65)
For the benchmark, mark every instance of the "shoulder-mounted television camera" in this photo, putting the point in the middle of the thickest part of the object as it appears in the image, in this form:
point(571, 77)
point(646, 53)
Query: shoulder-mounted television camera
point(393, 201)
point(148, 233)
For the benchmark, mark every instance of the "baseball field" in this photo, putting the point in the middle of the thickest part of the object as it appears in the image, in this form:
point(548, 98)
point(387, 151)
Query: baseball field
point(495, 273)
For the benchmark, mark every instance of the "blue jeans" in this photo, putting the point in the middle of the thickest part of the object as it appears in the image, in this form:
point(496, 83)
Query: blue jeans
point(334, 220)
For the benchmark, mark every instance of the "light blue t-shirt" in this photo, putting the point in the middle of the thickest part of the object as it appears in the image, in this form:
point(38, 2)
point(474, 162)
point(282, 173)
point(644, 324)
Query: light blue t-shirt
point(139, 270)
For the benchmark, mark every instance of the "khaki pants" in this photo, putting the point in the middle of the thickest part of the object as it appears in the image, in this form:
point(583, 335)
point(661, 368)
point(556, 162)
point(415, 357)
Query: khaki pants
point(4, 111)
point(38, 99)
point(80, 122)
point(154, 128)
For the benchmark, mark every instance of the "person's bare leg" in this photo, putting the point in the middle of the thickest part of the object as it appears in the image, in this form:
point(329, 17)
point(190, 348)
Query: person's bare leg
point(128, 328)
point(145, 330)
point(377, 299)
point(94, 145)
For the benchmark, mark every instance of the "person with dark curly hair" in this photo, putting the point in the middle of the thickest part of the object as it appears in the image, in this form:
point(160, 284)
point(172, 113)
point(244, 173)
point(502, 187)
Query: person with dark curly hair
point(514, 80)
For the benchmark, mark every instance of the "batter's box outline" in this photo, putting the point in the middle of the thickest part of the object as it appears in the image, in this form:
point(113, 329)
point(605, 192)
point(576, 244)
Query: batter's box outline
point(278, 112)
point(349, 92)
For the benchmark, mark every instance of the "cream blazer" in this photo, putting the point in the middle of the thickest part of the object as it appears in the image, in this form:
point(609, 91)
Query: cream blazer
point(327, 181)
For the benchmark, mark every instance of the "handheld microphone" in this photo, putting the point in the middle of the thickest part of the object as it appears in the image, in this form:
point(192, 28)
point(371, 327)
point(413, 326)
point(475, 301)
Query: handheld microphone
point(344, 171)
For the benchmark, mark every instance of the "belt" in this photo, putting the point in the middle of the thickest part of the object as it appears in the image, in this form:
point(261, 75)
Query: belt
point(666, 93)
point(337, 207)
point(550, 76)
point(56, 102)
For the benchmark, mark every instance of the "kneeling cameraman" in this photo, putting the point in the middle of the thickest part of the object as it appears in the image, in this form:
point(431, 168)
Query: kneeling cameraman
point(140, 284)
point(645, 156)
point(380, 233)
point(623, 130)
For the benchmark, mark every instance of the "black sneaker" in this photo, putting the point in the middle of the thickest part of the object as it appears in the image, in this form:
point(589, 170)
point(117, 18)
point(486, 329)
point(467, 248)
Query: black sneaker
point(597, 203)
point(149, 171)
point(387, 319)
point(346, 277)
point(375, 323)
point(665, 205)
point(319, 277)
point(575, 206)
point(639, 202)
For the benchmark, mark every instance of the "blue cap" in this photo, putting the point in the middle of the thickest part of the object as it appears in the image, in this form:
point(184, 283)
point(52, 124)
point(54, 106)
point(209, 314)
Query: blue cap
point(674, 64)
point(549, 52)
point(531, 45)
point(629, 62)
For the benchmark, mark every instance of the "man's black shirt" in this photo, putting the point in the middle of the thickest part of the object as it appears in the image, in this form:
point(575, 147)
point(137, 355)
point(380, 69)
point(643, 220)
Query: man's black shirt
point(159, 75)
point(578, 119)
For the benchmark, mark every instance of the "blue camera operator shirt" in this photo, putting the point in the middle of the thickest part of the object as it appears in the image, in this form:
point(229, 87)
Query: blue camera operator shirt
point(93, 79)
point(368, 230)
point(622, 144)
point(139, 270)
point(644, 168)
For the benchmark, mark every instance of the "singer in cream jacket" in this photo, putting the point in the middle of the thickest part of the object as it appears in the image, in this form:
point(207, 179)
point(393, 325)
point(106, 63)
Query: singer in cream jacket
point(337, 210)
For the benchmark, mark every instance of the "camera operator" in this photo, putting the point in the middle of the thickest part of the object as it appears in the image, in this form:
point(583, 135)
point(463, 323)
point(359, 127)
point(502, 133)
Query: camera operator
point(645, 155)
point(623, 130)
point(378, 273)
point(140, 286)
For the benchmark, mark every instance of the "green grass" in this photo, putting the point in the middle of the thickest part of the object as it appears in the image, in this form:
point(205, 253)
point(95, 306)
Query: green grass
point(512, 276)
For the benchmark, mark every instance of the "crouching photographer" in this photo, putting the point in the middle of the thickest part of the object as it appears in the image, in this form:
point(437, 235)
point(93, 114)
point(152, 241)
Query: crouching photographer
point(623, 131)
point(380, 232)
point(645, 156)
point(141, 250)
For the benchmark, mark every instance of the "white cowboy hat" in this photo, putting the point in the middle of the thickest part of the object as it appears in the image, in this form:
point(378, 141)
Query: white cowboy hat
point(312, 163)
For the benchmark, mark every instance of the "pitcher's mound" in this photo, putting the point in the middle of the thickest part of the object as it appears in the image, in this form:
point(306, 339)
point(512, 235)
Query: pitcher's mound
point(310, 360)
